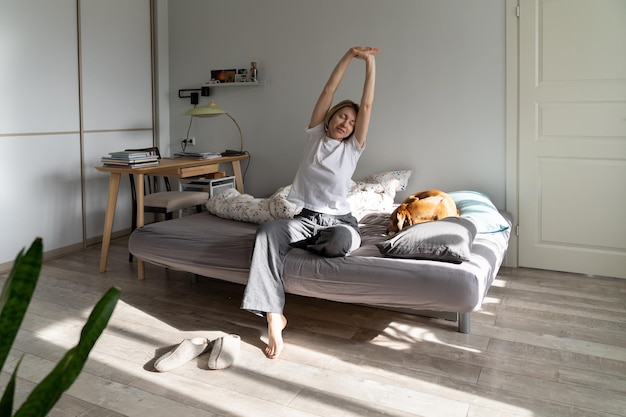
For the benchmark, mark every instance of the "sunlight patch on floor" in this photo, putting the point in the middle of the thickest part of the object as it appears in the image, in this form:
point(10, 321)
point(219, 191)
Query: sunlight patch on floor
point(485, 313)
point(66, 331)
point(499, 282)
point(492, 300)
point(399, 336)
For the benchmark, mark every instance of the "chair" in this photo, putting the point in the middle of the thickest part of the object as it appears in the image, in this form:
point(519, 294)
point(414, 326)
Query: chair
point(162, 202)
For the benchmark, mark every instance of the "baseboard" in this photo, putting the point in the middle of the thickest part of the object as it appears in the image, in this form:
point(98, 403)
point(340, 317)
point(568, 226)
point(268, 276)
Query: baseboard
point(68, 250)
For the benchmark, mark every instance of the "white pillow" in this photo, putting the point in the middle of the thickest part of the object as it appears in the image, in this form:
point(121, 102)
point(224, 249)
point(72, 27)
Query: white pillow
point(376, 193)
point(385, 178)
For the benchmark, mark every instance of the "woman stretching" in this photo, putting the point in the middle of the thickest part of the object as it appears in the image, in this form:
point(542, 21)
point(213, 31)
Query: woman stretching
point(325, 225)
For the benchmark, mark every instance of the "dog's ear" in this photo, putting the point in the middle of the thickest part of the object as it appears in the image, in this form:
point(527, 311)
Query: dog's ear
point(393, 218)
point(401, 218)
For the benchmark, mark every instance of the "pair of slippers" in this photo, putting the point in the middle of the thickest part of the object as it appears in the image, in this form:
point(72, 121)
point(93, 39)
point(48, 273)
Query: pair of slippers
point(224, 353)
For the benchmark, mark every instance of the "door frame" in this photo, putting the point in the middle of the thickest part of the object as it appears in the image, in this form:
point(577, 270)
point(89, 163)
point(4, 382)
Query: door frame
point(512, 126)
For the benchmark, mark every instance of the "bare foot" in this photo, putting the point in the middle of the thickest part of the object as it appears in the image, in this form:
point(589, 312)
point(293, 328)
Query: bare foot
point(275, 324)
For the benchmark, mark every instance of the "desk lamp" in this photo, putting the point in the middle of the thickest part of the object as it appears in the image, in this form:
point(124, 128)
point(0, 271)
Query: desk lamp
point(211, 110)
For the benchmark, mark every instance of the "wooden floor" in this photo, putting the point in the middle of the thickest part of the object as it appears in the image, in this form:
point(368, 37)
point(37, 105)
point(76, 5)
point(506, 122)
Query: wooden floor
point(544, 344)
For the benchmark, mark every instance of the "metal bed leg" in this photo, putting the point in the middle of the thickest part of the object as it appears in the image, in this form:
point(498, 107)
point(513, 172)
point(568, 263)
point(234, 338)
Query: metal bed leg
point(464, 322)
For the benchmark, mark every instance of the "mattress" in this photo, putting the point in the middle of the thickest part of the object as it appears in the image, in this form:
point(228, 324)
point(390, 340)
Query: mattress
point(211, 246)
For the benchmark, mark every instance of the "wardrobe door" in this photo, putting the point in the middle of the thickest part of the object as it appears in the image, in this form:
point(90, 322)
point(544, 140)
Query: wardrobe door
point(116, 70)
point(40, 192)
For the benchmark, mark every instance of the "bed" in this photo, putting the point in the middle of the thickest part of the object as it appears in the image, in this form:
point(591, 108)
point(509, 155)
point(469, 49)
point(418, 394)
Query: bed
point(442, 268)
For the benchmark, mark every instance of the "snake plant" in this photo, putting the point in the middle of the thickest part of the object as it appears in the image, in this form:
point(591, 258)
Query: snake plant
point(14, 300)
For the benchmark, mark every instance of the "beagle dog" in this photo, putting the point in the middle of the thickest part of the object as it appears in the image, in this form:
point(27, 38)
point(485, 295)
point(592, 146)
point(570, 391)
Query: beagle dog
point(422, 207)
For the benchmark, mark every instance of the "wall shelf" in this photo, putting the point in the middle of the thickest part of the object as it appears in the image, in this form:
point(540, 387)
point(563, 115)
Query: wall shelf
point(235, 84)
point(205, 90)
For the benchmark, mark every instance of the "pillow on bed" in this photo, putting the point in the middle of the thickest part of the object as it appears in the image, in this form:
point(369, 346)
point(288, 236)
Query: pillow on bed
point(384, 178)
point(480, 210)
point(447, 240)
point(376, 192)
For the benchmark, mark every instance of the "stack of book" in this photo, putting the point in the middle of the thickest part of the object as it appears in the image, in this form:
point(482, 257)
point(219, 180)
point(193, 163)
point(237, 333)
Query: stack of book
point(130, 159)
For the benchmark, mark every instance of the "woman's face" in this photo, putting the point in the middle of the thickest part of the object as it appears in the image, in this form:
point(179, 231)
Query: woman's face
point(341, 125)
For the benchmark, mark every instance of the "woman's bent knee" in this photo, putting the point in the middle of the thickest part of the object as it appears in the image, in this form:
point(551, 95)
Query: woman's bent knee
point(337, 241)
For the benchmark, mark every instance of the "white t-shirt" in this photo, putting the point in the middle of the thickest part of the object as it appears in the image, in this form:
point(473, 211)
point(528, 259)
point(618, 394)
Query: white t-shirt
point(322, 180)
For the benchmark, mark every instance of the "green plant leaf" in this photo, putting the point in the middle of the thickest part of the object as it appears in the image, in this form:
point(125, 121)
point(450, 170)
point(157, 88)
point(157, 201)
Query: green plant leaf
point(47, 392)
point(6, 403)
point(16, 295)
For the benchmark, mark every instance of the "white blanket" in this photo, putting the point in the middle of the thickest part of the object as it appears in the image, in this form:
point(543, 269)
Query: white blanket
point(374, 193)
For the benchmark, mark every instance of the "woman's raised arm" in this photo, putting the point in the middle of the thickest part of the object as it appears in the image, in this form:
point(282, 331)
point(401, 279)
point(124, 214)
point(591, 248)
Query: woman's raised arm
point(367, 97)
point(328, 92)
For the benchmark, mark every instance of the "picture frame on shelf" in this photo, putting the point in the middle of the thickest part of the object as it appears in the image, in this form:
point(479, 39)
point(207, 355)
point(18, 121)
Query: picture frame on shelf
point(223, 76)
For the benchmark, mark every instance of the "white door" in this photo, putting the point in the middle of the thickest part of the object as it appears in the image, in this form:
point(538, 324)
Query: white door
point(572, 136)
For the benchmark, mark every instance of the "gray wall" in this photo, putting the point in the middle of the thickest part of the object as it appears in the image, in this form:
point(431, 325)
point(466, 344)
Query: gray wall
point(440, 93)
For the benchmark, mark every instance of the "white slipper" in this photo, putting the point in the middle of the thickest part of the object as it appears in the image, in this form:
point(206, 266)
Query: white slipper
point(225, 351)
point(187, 350)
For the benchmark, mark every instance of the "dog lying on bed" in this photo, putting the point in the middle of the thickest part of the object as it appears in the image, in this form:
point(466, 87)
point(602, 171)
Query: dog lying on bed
point(424, 206)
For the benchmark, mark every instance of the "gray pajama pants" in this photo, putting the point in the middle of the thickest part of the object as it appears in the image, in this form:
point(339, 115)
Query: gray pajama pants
point(324, 234)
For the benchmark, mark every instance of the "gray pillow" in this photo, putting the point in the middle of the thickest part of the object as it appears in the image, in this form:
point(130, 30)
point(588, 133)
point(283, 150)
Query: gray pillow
point(447, 240)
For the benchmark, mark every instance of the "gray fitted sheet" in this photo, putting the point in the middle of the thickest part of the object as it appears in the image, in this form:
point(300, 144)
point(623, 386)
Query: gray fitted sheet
point(210, 246)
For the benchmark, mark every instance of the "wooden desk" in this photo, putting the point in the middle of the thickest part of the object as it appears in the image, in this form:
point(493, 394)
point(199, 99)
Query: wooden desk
point(168, 167)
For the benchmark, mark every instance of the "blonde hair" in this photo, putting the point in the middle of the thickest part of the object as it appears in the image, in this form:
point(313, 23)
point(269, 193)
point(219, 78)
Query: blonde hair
point(336, 108)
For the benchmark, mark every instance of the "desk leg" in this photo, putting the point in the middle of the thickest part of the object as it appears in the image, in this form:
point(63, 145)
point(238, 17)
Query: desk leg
point(114, 186)
point(141, 269)
point(139, 183)
point(238, 176)
point(140, 219)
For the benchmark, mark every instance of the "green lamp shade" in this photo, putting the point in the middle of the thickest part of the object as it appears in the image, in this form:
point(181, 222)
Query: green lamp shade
point(211, 110)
